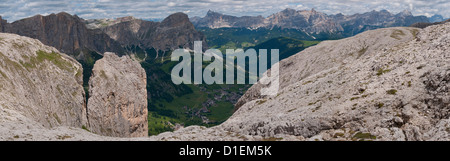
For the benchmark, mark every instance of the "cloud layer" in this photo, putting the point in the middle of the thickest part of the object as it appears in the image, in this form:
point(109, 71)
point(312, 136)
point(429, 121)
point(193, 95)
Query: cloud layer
point(155, 9)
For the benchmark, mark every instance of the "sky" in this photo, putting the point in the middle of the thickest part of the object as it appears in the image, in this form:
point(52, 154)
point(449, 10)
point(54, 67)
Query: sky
point(12, 10)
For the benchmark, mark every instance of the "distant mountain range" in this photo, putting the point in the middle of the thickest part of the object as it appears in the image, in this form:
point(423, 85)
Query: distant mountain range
point(436, 18)
point(311, 21)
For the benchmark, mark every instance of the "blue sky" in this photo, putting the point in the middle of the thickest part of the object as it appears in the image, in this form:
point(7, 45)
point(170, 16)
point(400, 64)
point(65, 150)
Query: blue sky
point(150, 9)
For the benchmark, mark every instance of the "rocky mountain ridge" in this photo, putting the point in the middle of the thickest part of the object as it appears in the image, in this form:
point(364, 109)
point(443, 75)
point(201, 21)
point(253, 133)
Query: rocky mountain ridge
point(78, 37)
point(424, 25)
point(384, 84)
point(312, 21)
point(174, 32)
point(99, 23)
point(65, 32)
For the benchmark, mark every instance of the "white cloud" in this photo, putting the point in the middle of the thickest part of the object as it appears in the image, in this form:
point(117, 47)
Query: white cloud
point(88, 9)
point(171, 4)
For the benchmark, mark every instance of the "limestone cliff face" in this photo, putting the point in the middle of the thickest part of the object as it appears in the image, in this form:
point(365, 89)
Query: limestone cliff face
point(63, 31)
point(173, 32)
point(117, 104)
point(218, 20)
point(309, 21)
point(40, 83)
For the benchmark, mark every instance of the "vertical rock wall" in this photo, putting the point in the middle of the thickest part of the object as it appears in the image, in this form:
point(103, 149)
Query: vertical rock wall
point(117, 104)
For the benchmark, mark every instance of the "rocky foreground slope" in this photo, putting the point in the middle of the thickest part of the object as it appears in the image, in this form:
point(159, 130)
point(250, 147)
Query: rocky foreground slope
point(40, 83)
point(173, 32)
point(425, 24)
point(386, 84)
